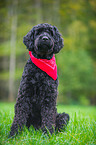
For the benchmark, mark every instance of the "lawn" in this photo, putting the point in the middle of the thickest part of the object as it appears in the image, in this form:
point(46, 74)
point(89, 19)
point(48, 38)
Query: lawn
point(80, 130)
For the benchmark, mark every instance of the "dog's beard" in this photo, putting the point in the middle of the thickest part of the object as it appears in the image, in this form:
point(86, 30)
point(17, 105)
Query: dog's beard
point(44, 47)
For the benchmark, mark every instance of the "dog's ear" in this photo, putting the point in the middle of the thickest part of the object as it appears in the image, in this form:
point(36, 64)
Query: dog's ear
point(58, 44)
point(28, 40)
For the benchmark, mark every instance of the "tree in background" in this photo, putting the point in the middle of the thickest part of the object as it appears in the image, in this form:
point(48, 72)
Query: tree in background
point(13, 15)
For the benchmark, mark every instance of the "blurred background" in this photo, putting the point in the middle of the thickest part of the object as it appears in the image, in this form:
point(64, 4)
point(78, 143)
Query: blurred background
point(76, 21)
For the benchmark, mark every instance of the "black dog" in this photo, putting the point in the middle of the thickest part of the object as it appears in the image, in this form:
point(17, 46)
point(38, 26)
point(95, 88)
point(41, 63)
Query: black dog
point(36, 102)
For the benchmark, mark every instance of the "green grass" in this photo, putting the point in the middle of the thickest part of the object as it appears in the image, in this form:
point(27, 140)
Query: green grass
point(80, 130)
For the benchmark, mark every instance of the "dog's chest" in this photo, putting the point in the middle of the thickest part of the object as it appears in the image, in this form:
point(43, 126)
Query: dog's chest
point(41, 83)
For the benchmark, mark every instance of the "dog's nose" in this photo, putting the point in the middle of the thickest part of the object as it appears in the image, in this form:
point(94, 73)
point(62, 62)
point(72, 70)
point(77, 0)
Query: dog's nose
point(45, 38)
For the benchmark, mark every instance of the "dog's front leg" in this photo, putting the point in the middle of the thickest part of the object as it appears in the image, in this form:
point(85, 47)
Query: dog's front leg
point(20, 118)
point(48, 115)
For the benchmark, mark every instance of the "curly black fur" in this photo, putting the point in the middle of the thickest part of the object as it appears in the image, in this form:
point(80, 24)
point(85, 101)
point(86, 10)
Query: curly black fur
point(36, 102)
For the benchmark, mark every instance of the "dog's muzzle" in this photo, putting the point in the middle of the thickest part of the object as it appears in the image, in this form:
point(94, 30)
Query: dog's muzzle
point(44, 44)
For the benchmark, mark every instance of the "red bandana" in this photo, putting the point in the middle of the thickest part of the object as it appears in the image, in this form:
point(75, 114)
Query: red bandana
point(48, 66)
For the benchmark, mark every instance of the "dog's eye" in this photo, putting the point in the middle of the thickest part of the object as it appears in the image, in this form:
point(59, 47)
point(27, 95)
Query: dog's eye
point(40, 31)
point(37, 33)
point(49, 32)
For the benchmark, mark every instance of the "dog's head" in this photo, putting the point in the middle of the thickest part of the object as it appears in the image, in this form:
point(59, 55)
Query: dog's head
point(43, 40)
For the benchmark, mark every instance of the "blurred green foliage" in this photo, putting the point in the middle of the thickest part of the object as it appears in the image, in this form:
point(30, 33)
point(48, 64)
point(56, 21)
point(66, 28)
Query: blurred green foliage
point(76, 20)
point(76, 75)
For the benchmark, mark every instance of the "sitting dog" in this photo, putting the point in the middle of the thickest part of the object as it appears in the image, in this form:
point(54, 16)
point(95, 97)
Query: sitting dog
point(36, 102)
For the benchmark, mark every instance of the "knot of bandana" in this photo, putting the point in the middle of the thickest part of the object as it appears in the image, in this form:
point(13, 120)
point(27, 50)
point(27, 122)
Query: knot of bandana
point(48, 66)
